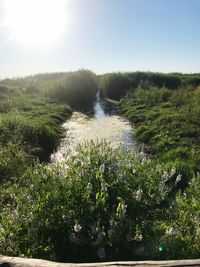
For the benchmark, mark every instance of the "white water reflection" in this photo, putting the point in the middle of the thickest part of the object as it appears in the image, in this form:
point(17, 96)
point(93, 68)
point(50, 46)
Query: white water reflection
point(98, 109)
point(80, 128)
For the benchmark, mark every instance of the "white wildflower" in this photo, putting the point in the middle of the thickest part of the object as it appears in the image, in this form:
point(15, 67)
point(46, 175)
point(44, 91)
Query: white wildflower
point(138, 237)
point(31, 186)
point(158, 168)
point(142, 154)
point(171, 232)
point(64, 217)
point(15, 213)
point(144, 160)
point(101, 253)
point(129, 165)
point(173, 171)
point(174, 205)
point(10, 237)
point(77, 228)
point(104, 188)
point(162, 187)
point(134, 171)
point(123, 209)
point(178, 178)
point(138, 195)
point(164, 176)
point(89, 187)
point(102, 168)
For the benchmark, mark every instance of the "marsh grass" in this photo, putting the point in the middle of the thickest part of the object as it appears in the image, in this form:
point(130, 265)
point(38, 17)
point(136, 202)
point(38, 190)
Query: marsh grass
point(103, 205)
point(168, 123)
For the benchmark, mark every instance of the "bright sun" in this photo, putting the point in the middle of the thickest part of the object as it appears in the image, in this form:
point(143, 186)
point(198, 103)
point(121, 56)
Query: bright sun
point(35, 23)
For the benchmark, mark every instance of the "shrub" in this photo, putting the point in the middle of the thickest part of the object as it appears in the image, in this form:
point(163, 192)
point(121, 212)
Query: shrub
point(36, 132)
point(13, 162)
point(78, 89)
point(100, 204)
point(114, 85)
point(182, 235)
point(151, 96)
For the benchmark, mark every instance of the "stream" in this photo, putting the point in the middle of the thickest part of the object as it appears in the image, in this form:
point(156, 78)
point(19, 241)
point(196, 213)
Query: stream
point(81, 128)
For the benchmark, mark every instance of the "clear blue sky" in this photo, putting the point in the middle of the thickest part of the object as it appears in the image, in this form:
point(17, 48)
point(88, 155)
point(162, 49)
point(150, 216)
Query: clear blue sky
point(113, 35)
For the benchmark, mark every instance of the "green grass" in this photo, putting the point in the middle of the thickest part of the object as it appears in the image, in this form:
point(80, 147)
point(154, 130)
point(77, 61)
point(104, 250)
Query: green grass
point(101, 204)
point(36, 130)
point(29, 124)
point(168, 126)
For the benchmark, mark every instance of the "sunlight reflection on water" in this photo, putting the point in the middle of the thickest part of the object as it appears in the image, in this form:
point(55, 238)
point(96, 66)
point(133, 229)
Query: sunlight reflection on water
point(80, 128)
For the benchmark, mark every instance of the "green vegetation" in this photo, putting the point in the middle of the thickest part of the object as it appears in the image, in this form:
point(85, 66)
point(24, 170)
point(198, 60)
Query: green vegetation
point(168, 123)
point(101, 204)
point(116, 85)
point(126, 210)
point(32, 111)
point(37, 131)
point(32, 123)
point(78, 89)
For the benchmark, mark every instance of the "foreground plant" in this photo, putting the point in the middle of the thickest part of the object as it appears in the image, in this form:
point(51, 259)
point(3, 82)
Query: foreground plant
point(182, 234)
point(100, 204)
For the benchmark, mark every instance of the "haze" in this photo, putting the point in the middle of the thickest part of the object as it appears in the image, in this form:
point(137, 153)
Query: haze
point(101, 35)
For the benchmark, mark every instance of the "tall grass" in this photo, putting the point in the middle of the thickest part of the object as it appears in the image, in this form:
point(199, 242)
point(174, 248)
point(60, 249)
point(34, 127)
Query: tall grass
point(78, 89)
point(167, 122)
point(37, 131)
point(102, 204)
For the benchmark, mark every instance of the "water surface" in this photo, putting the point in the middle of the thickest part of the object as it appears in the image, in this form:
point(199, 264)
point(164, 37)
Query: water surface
point(81, 128)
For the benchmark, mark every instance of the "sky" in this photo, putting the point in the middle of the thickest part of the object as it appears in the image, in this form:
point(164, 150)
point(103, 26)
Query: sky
point(101, 35)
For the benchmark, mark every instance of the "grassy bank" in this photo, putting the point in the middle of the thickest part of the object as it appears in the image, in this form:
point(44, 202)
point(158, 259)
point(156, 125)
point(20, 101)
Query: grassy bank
point(168, 123)
point(35, 134)
point(116, 85)
point(32, 110)
point(101, 204)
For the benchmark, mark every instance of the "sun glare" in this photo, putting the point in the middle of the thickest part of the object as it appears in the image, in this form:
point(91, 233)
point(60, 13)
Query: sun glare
point(35, 23)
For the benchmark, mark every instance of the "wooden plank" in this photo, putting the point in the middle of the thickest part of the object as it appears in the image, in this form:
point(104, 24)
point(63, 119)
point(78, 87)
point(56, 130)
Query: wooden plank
point(25, 262)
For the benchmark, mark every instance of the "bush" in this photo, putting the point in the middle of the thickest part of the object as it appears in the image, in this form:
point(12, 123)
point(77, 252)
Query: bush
point(182, 235)
point(78, 89)
point(13, 162)
point(114, 85)
point(36, 132)
point(99, 205)
point(151, 96)
point(166, 121)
